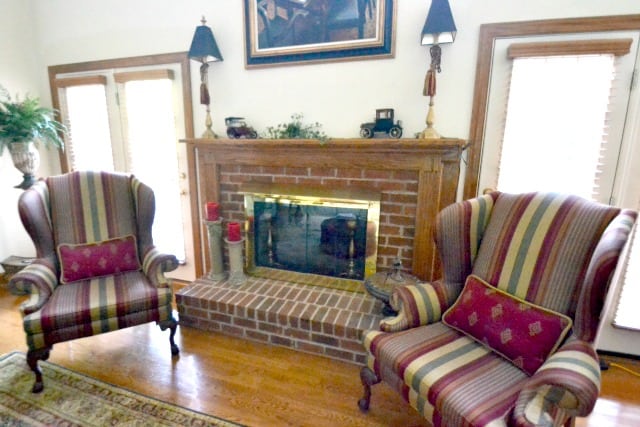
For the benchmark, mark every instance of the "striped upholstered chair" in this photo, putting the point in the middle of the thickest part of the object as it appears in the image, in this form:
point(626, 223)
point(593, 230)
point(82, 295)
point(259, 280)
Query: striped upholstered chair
point(96, 269)
point(506, 336)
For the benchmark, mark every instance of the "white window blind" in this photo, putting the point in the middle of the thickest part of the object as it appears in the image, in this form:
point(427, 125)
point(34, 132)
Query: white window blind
point(556, 124)
point(83, 103)
point(150, 141)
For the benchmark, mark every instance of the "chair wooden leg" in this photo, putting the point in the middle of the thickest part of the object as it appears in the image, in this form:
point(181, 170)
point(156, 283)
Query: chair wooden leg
point(172, 325)
point(368, 378)
point(32, 360)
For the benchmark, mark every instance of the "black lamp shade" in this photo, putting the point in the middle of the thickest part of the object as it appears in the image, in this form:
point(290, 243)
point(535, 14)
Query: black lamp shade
point(439, 26)
point(203, 47)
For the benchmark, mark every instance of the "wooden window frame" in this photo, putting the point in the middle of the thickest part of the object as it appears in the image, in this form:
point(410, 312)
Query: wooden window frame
point(615, 47)
point(80, 81)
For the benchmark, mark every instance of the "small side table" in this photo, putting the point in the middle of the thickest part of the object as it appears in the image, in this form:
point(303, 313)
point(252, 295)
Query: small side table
point(13, 264)
point(381, 285)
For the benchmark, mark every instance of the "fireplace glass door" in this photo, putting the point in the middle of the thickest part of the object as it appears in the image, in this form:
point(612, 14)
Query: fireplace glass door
point(316, 235)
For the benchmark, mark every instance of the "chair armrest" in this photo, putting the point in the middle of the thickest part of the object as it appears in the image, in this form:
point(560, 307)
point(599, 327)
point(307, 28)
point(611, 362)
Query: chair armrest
point(568, 383)
point(38, 279)
point(155, 264)
point(419, 304)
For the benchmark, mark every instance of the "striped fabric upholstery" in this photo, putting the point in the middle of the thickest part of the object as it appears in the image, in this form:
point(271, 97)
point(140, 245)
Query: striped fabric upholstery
point(419, 304)
point(155, 264)
point(95, 306)
point(88, 207)
point(449, 378)
point(553, 250)
point(603, 264)
point(39, 279)
point(459, 231)
point(538, 247)
point(568, 383)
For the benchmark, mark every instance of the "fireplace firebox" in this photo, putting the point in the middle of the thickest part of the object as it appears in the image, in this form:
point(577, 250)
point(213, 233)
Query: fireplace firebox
point(313, 230)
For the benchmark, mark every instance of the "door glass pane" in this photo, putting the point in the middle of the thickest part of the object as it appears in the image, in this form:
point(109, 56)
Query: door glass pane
point(89, 143)
point(555, 124)
point(151, 150)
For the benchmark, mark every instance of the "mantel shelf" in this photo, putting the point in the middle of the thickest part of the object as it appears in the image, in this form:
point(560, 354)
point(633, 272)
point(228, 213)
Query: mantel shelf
point(356, 143)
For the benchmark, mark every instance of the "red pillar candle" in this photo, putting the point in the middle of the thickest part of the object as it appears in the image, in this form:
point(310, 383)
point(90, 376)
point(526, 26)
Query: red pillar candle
point(233, 232)
point(212, 211)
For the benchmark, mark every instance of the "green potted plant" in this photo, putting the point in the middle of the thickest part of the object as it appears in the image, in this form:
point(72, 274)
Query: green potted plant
point(296, 129)
point(23, 124)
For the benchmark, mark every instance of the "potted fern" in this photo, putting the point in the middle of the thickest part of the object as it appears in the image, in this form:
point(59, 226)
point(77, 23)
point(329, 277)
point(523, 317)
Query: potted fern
point(23, 124)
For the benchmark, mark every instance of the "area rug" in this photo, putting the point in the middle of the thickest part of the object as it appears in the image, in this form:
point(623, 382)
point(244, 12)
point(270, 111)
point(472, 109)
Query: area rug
point(73, 399)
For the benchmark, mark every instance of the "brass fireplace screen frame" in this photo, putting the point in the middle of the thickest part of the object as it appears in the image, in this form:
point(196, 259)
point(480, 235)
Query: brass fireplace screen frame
point(309, 196)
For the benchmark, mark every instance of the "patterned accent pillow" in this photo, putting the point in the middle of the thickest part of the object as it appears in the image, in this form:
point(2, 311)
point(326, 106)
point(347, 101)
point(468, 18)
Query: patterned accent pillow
point(89, 260)
point(522, 332)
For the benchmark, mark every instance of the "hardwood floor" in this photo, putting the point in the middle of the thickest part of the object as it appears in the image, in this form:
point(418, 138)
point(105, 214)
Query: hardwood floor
point(261, 385)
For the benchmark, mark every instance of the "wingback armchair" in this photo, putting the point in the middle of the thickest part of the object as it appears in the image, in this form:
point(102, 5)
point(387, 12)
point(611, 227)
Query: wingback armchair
point(506, 336)
point(96, 268)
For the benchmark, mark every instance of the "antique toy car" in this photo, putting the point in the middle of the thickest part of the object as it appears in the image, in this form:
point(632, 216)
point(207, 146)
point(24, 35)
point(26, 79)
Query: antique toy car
point(238, 128)
point(384, 123)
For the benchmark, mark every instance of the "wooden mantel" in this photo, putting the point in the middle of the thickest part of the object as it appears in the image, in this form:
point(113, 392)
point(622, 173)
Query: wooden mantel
point(436, 162)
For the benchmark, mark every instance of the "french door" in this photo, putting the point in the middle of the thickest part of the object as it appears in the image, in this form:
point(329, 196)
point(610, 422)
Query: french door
point(129, 118)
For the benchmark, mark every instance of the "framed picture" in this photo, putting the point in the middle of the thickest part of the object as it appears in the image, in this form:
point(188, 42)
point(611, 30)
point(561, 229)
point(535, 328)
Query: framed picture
point(282, 32)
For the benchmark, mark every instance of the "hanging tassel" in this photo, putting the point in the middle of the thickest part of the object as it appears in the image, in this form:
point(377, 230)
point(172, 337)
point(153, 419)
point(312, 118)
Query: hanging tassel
point(429, 84)
point(204, 94)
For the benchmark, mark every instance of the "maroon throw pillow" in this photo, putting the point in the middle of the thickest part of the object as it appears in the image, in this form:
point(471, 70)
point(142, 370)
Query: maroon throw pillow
point(90, 260)
point(524, 333)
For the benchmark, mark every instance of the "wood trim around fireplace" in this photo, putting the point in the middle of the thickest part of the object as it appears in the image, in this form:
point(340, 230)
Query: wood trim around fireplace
point(436, 163)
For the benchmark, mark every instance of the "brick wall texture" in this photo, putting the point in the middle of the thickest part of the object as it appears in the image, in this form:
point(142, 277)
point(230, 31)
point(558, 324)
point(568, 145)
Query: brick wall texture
point(398, 189)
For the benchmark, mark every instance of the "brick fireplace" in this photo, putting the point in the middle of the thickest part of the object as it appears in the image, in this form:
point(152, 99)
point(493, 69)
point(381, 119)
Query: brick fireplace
point(415, 179)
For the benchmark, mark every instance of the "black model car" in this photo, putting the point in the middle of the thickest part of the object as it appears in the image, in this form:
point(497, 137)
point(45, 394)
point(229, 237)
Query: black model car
point(384, 123)
point(238, 128)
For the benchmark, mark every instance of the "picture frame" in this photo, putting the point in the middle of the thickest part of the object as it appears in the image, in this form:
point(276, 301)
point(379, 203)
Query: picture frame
point(286, 32)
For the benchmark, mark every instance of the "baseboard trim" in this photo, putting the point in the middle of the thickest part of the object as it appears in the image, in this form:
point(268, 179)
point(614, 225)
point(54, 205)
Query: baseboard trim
point(618, 354)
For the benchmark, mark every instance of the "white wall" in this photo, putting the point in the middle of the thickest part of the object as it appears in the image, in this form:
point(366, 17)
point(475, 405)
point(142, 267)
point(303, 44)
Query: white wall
point(19, 75)
point(338, 95)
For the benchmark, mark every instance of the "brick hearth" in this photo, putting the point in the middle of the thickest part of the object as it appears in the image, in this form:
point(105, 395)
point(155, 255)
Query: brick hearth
point(312, 319)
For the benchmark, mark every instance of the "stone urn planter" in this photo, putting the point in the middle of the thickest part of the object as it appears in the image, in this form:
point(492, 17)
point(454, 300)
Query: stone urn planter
point(24, 124)
point(26, 159)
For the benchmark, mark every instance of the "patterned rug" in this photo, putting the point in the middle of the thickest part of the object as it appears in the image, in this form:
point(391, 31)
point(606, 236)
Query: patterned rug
point(73, 399)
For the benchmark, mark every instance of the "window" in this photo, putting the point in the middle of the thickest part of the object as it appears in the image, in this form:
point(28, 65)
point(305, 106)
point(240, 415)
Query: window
point(557, 123)
point(556, 133)
point(84, 103)
point(130, 119)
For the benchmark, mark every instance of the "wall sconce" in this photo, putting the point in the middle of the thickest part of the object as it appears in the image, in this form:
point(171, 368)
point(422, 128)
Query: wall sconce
point(205, 50)
point(438, 28)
